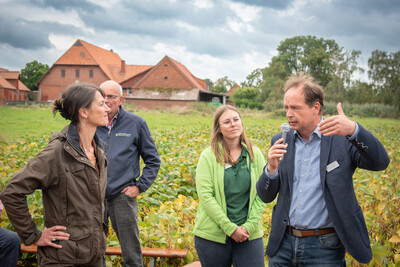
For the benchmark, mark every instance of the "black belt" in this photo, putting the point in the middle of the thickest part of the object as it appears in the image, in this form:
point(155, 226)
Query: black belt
point(313, 232)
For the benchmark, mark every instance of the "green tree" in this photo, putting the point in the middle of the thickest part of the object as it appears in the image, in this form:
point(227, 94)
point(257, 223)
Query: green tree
point(361, 93)
point(309, 54)
point(245, 93)
point(384, 71)
point(247, 97)
point(344, 66)
point(317, 56)
point(254, 79)
point(32, 73)
point(222, 85)
point(274, 77)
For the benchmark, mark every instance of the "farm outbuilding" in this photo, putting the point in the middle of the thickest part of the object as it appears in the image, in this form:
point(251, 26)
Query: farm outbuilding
point(11, 87)
point(166, 84)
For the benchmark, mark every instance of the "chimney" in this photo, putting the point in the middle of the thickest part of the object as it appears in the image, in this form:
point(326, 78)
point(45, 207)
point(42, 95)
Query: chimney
point(122, 66)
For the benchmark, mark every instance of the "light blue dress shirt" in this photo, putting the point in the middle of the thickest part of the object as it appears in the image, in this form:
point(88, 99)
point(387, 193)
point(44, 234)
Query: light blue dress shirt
point(308, 208)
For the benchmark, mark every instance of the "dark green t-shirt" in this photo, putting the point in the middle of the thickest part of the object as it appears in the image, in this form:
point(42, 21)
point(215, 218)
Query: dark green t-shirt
point(237, 184)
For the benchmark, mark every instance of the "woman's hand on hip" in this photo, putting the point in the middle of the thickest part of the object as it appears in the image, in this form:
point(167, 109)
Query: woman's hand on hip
point(52, 234)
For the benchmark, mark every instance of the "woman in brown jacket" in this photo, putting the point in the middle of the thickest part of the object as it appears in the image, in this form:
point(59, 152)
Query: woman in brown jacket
point(71, 172)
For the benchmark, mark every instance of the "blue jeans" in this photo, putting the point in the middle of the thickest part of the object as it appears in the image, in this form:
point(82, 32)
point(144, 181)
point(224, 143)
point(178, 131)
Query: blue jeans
point(324, 250)
point(123, 212)
point(242, 254)
point(10, 247)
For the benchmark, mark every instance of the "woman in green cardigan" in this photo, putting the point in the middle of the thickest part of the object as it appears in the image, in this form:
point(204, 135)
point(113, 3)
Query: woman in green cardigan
point(228, 228)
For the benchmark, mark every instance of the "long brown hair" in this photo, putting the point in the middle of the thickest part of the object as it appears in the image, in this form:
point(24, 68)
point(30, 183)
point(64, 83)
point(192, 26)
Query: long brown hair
point(218, 140)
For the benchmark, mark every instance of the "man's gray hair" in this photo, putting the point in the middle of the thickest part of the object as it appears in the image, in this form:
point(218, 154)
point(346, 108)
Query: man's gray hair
point(111, 82)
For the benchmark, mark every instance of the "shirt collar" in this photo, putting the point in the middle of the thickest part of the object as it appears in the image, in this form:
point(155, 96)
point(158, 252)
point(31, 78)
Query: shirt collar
point(315, 132)
point(113, 120)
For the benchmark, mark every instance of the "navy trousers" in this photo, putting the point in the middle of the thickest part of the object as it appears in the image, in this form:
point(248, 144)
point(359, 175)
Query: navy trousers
point(240, 254)
point(10, 247)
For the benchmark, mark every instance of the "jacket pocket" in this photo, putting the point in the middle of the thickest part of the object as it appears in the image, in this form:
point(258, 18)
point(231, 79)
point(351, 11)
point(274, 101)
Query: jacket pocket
point(47, 255)
point(78, 249)
point(74, 168)
point(362, 228)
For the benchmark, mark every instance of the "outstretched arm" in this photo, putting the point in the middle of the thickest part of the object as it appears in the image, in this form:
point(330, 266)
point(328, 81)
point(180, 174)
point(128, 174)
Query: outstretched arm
point(367, 151)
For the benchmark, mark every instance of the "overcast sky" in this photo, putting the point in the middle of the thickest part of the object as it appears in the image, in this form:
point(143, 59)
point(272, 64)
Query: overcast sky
point(212, 39)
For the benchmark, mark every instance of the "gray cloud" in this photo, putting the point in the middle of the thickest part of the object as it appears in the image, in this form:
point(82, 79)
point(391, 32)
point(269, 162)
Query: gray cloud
point(66, 5)
point(157, 19)
point(274, 4)
point(176, 23)
point(22, 34)
point(370, 6)
point(202, 31)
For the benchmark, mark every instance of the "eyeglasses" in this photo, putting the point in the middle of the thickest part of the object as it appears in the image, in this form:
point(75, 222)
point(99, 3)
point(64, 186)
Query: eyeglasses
point(231, 122)
point(111, 97)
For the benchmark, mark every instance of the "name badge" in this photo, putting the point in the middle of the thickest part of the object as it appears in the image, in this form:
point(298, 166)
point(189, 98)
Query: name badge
point(123, 134)
point(227, 166)
point(332, 166)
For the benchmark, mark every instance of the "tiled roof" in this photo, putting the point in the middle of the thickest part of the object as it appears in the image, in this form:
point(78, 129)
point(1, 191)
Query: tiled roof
point(6, 77)
point(185, 74)
point(189, 75)
point(83, 53)
point(202, 83)
point(4, 83)
point(133, 70)
point(10, 75)
point(22, 86)
point(233, 89)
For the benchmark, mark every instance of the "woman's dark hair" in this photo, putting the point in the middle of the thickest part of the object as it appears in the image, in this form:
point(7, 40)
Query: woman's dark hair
point(75, 97)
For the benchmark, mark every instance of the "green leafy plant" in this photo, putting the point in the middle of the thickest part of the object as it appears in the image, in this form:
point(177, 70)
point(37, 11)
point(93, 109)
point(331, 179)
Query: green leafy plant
point(167, 209)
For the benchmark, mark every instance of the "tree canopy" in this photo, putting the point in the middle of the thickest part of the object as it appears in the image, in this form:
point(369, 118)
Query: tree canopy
point(332, 66)
point(222, 85)
point(32, 73)
point(384, 71)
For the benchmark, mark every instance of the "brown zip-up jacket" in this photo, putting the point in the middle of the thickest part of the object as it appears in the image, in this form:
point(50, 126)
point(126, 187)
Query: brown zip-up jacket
point(73, 194)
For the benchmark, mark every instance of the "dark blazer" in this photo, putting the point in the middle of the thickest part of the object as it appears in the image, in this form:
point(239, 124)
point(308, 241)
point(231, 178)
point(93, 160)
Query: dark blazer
point(365, 152)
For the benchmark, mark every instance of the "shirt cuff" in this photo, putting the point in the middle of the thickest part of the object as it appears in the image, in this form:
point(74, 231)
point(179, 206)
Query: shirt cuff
point(269, 175)
point(355, 133)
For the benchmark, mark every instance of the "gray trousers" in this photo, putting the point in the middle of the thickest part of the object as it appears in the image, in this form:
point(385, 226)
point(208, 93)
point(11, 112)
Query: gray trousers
point(123, 212)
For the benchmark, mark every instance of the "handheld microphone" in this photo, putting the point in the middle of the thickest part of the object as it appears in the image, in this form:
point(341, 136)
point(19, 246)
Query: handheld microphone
point(285, 128)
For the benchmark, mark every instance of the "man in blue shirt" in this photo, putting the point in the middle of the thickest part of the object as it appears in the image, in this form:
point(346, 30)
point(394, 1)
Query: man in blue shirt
point(129, 139)
point(317, 216)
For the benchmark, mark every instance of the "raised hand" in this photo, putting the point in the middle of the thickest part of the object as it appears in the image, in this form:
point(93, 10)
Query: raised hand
point(338, 124)
point(274, 154)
